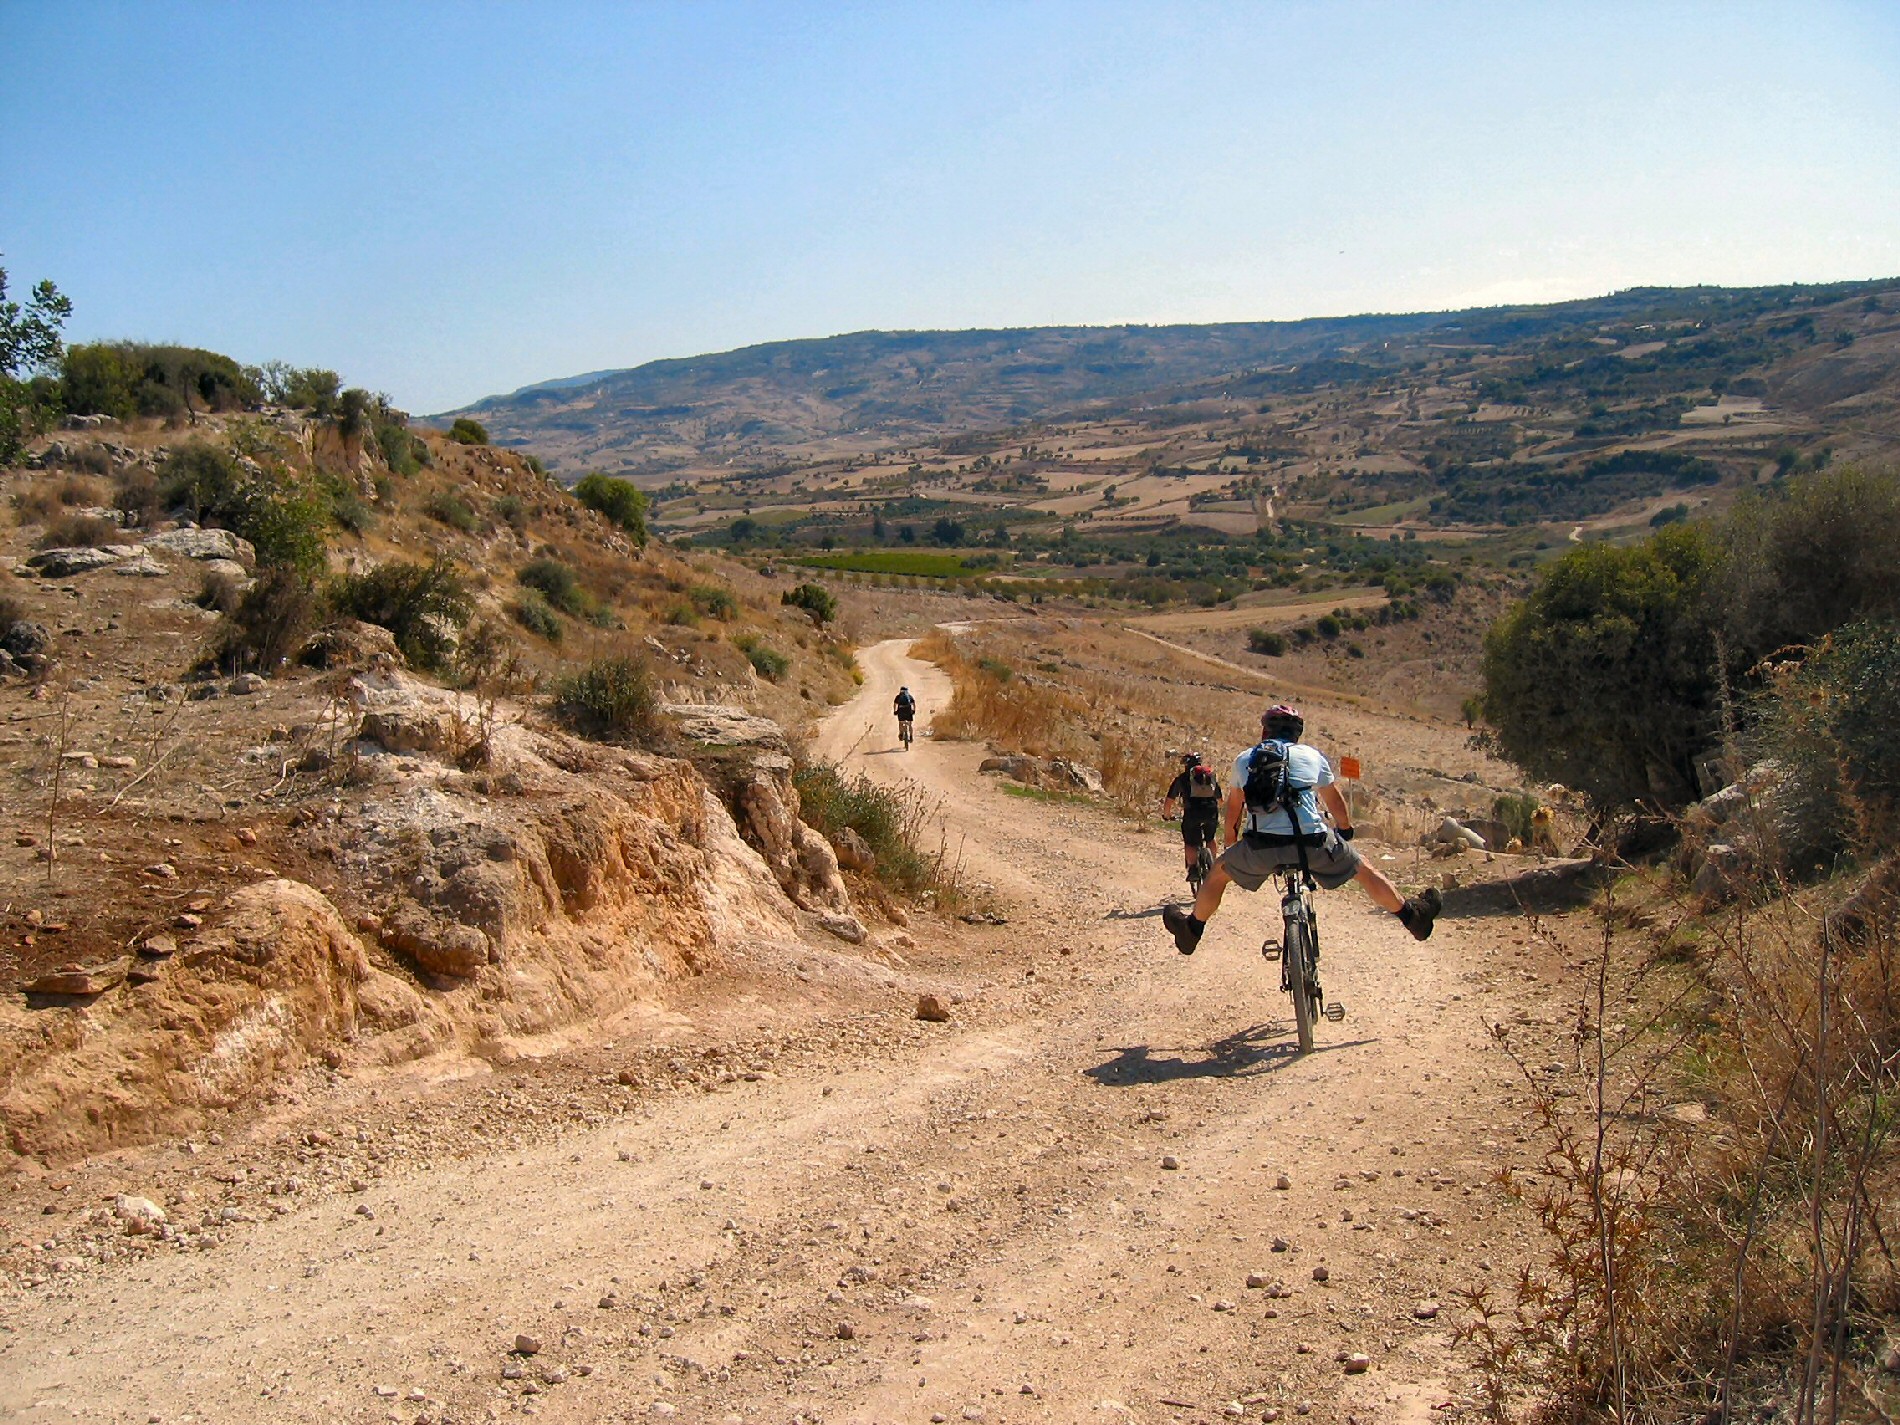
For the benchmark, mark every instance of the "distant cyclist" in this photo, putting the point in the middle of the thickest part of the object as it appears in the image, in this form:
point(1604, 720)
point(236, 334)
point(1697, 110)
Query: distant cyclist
point(905, 706)
point(1197, 791)
point(1279, 780)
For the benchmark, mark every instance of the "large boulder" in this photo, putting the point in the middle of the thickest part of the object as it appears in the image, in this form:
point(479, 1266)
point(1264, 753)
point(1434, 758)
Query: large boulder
point(28, 644)
point(64, 563)
point(204, 544)
point(351, 643)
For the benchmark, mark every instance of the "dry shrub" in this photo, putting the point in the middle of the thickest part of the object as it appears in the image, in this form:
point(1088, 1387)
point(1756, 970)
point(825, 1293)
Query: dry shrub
point(79, 532)
point(38, 503)
point(1740, 1267)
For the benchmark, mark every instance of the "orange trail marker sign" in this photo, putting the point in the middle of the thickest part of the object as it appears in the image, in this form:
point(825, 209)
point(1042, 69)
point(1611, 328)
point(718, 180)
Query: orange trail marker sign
point(1349, 767)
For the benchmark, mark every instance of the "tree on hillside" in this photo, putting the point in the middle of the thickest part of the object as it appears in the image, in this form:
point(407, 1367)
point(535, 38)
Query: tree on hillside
point(621, 501)
point(1604, 678)
point(29, 344)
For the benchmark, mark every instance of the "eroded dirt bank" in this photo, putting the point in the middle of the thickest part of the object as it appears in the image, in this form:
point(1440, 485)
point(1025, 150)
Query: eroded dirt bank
point(785, 1198)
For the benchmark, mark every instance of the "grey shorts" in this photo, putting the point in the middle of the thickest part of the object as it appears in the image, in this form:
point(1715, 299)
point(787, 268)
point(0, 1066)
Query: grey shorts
point(1332, 864)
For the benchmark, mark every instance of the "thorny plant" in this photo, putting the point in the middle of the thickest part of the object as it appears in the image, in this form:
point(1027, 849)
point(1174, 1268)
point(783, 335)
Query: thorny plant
point(1692, 1271)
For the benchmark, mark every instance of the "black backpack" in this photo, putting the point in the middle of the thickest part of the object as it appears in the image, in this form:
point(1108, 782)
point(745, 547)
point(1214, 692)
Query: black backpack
point(906, 704)
point(1202, 783)
point(1269, 787)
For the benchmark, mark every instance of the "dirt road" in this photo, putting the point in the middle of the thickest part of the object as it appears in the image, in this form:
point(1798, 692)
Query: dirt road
point(1046, 1210)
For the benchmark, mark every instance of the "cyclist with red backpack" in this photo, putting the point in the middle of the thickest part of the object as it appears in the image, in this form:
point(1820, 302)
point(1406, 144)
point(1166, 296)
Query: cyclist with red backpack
point(1197, 790)
point(1277, 789)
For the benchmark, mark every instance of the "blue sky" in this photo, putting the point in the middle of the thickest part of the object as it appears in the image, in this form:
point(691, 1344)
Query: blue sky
point(445, 201)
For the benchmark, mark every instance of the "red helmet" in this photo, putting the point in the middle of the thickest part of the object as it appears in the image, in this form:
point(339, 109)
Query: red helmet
point(1283, 720)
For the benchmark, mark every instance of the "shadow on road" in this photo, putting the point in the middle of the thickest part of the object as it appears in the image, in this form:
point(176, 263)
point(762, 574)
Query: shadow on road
point(1119, 914)
point(1257, 1050)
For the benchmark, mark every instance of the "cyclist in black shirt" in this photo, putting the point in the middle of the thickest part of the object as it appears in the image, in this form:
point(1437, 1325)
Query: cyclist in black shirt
point(1197, 789)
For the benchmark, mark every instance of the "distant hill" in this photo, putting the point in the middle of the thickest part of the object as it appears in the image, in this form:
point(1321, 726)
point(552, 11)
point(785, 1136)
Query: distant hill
point(886, 390)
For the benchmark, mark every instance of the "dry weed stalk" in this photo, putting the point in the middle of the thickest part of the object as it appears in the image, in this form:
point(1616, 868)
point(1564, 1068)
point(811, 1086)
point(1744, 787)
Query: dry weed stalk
point(1689, 1267)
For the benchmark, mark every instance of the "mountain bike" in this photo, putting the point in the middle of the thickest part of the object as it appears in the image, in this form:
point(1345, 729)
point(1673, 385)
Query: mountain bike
point(1202, 868)
point(1298, 954)
point(903, 732)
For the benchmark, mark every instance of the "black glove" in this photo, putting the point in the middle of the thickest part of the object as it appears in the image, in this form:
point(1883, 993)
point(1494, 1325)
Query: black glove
point(1345, 833)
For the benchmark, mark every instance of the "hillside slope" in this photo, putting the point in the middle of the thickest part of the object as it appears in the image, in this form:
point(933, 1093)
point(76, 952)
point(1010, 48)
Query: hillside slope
point(884, 390)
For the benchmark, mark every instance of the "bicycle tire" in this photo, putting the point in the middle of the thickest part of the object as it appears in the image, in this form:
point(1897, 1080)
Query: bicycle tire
point(1299, 980)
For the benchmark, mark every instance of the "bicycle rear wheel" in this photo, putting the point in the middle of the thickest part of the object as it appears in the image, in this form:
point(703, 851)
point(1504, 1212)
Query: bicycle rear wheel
point(1299, 977)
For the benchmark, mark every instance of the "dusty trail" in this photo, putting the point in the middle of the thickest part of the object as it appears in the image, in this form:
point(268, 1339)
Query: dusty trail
point(907, 1222)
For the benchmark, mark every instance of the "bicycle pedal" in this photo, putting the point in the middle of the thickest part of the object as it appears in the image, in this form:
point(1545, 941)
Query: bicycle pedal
point(1270, 950)
point(1334, 1011)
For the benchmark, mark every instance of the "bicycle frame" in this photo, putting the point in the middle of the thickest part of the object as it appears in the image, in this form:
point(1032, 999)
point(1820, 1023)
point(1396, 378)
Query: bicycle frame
point(1298, 954)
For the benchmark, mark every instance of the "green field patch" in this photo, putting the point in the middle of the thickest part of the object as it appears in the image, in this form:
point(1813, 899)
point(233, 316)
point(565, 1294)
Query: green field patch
point(1389, 514)
point(928, 564)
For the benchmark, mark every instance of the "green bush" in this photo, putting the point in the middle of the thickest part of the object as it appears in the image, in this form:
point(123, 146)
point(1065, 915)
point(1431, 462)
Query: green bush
point(1266, 642)
point(715, 601)
point(814, 599)
point(451, 509)
point(1832, 727)
point(302, 388)
point(283, 518)
point(512, 511)
point(401, 447)
point(199, 478)
point(1327, 627)
point(830, 800)
point(558, 584)
point(610, 700)
point(1515, 810)
point(425, 607)
point(1603, 679)
point(124, 379)
point(766, 660)
point(533, 612)
point(468, 432)
point(621, 501)
point(270, 621)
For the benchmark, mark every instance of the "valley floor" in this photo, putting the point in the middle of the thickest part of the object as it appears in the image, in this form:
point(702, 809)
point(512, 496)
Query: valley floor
point(1047, 1209)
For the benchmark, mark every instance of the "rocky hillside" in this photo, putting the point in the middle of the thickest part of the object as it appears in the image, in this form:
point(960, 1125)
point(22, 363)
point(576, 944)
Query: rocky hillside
point(880, 391)
point(217, 872)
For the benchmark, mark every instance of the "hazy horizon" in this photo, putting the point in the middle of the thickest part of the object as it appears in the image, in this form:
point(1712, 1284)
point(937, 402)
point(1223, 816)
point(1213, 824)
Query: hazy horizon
point(446, 202)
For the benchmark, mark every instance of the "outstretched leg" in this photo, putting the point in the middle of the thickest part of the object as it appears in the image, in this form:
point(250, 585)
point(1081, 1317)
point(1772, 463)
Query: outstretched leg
point(1186, 926)
point(1416, 914)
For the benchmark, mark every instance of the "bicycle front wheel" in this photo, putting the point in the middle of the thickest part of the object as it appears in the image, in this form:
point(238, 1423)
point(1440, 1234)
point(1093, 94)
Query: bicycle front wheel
point(1299, 975)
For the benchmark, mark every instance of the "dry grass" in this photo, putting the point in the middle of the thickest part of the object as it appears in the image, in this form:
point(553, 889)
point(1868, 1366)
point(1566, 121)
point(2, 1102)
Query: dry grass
point(1739, 1267)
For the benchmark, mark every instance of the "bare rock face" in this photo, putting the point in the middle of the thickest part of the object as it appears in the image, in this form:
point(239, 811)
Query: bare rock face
point(438, 945)
point(803, 862)
point(235, 1008)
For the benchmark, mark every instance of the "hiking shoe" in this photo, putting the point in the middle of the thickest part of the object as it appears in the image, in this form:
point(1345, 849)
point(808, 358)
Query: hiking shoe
point(1418, 913)
point(1182, 925)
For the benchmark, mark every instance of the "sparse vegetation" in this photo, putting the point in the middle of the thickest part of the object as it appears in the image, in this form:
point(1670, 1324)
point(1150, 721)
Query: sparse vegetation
point(610, 700)
point(621, 501)
point(814, 599)
point(449, 508)
point(424, 606)
point(890, 821)
point(1266, 642)
point(270, 620)
point(766, 660)
point(559, 585)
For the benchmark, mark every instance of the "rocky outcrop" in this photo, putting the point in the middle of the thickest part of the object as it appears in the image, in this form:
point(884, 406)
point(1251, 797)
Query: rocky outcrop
point(64, 563)
point(1051, 774)
point(235, 1007)
point(204, 544)
point(503, 886)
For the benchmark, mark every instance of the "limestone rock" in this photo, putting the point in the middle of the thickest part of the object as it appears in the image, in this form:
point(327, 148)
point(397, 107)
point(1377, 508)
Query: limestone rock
point(442, 947)
point(719, 725)
point(204, 544)
point(854, 852)
point(77, 981)
point(141, 566)
point(139, 1214)
point(933, 1009)
point(847, 928)
point(63, 563)
point(350, 643)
